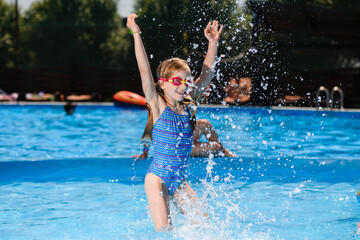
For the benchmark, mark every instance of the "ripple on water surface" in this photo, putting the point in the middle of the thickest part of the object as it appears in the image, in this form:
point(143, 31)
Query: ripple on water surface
point(61, 176)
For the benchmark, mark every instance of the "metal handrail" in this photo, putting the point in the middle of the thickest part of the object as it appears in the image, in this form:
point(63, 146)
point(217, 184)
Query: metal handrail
point(337, 89)
point(322, 89)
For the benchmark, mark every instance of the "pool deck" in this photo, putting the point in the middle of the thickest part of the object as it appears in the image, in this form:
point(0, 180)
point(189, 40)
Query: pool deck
point(111, 104)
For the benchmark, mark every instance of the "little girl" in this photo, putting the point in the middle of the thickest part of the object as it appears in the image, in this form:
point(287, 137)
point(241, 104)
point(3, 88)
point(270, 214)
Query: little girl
point(172, 129)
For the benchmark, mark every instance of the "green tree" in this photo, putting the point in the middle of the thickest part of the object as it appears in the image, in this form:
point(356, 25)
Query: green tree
point(160, 22)
point(175, 28)
point(7, 23)
point(118, 50)
point(235, 39)
point(69, 31)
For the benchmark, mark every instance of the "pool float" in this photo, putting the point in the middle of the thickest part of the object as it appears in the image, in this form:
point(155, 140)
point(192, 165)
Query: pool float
point(128, 99)
point(358, 196)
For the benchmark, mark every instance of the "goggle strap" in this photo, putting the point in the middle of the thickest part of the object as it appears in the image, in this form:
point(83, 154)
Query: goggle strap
point(172, 80)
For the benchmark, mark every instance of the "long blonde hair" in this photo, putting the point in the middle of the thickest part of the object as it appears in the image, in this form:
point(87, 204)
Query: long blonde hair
point(166, 69)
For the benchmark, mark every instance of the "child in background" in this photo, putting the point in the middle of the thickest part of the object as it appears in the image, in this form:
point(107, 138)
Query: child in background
point(172, 130)
point(238, 91)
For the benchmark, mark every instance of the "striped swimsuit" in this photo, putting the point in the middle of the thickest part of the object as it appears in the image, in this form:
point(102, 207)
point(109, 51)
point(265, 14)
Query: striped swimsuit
point(173, 139)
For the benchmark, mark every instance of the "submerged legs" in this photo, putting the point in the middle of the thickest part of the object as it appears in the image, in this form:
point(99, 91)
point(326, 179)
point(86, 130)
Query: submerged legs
point(188, 202)
point(213, 146)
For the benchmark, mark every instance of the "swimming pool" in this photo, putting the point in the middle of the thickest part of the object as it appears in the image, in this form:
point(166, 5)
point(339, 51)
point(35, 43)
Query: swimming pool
point(71, 177)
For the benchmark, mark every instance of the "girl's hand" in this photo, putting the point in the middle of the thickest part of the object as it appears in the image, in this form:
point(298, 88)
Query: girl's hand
point(141, 156)
point(132, 24)
point(212, 33)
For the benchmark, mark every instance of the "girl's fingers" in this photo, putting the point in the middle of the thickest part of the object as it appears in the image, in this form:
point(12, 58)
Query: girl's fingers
point(207, 29)
point(131, 19)
point(213, 28)
point(208, 26)
point(221, 28)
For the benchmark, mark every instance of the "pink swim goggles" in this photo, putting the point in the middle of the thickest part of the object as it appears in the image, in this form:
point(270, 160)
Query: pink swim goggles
point(176, 81)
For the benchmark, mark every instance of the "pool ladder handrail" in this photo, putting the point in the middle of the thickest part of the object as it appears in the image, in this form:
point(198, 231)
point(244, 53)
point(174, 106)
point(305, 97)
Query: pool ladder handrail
point(330, 97)
point(322, 89)
point(340, 91)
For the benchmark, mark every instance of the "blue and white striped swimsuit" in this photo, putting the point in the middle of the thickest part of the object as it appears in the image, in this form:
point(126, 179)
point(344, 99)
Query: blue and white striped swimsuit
point(173, 139)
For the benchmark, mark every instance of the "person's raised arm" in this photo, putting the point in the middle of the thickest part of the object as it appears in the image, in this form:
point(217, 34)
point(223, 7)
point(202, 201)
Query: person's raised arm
point(142, 60)
point(143, 155)
point(212, 33)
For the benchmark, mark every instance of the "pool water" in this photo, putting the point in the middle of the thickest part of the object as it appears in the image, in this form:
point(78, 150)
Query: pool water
point(71, 177)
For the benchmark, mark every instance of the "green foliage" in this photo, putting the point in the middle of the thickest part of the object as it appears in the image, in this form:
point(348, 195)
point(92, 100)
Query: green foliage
point(64, 32)
point(118, 50)
point(7, 24)
point(89, 32)
point(235, 38)
point(162, 30)
point(176, 28)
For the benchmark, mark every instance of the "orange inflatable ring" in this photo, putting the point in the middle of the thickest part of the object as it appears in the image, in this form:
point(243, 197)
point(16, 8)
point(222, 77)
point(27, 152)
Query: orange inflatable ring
point(128, 98)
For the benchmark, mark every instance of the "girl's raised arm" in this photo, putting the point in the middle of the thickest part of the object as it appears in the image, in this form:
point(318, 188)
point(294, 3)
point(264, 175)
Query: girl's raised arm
point(142, 60)
point(212, 33)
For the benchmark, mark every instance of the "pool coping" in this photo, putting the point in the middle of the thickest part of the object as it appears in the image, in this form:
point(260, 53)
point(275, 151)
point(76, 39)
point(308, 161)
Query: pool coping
point(317, 109)
point(111, 104)
point(307, 109)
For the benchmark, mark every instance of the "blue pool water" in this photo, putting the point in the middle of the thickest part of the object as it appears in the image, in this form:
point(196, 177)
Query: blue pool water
point(71, 177)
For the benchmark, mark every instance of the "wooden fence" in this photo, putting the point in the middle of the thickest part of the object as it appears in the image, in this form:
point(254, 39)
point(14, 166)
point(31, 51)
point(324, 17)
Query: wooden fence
point(70, 80)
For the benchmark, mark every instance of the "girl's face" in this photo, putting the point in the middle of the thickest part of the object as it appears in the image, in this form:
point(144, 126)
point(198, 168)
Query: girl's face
point(177, 93)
